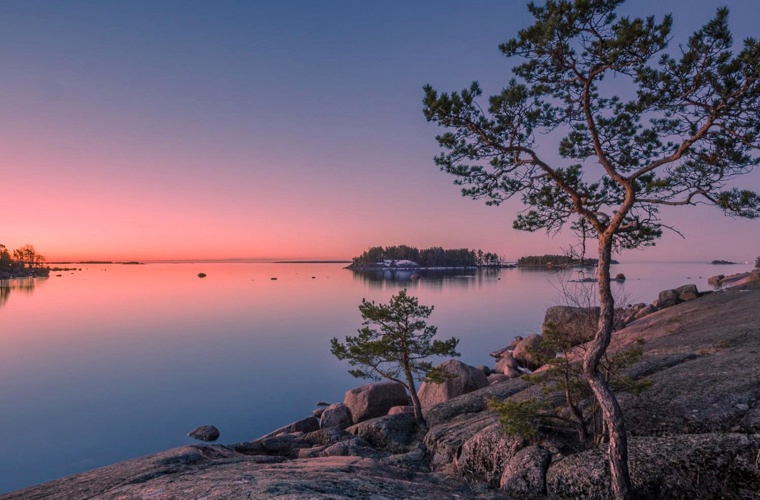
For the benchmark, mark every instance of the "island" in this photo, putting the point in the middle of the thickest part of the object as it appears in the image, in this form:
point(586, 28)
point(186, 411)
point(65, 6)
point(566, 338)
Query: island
point(408, 257)
point(722, 262)
point(557, 261)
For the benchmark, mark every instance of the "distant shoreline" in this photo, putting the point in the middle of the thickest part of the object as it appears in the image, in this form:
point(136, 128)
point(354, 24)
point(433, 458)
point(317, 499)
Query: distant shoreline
point(311, 262)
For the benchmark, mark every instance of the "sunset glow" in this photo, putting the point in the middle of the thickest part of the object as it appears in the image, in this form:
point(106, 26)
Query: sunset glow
point(268, 130)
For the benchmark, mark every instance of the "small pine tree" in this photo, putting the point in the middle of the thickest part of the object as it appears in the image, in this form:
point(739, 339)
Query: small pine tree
point(564, 376)
point(394, 343)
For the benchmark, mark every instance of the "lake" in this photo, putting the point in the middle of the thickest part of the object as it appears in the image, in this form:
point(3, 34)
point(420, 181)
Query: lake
point(118, 361)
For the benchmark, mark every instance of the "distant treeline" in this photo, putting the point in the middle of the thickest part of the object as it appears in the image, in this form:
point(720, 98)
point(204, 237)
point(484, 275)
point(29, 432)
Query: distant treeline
point(555, 261)
point(428, 257)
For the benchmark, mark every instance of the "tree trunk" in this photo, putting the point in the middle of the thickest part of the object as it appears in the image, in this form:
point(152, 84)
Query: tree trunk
point(611, 412)
point(415, 400)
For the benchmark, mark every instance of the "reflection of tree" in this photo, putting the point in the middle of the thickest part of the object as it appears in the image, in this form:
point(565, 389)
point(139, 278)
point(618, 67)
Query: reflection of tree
point(436, 279)
point(22, 285)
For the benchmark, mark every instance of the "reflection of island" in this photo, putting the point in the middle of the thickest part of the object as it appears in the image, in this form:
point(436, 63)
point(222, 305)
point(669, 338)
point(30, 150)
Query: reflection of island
point(426, 277)
point(18, 285)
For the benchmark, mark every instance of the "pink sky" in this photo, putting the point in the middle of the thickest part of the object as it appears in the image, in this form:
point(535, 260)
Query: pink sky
point(179, 131)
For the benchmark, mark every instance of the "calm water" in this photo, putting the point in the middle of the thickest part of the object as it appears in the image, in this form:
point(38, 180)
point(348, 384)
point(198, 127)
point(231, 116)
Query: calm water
point(116, 361)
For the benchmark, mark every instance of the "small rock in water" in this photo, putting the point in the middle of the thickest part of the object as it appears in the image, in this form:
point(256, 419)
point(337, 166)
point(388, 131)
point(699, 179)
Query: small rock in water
point(201, 275)
point(205, 433)
point(322, 403)
point(273, 279)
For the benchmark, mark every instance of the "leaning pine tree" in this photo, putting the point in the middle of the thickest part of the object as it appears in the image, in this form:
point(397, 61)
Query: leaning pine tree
point(636, 128)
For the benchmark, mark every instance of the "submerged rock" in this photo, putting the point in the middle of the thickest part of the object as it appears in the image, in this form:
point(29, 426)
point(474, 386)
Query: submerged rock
point(205, 433)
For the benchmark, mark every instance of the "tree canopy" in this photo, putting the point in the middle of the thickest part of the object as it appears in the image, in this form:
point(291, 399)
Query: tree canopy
point(635, 128)
point(428, 257)
point(395, 343)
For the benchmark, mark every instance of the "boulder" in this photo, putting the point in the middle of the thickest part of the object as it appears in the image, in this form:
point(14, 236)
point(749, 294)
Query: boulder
point(390, 433)
point(335, 415)
point(687, 292)
point(485, 454)
point(512, 373)
point(486, 370)
point(495, 378)
point(754, 276)
point(401, 409)
point(575, 323)
point(645, 311)
point(620, 277)
point(317, 412)
point(284, 445)
point(715, 280)
point(327, 436)
point(205, 433)
point(529, 351)
point(525, 474)
point(505, 350)
point(464, 379)
point(307, 424)
point(355, 447)
point(666, 298)
point(374, 400)
point(505, 363)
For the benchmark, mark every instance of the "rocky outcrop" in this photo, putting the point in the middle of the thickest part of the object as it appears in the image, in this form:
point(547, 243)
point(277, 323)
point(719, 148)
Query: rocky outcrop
point(214, 471)
point(484, 455)
point(374, 400)
point(702, 466)
point(391, 433)
point(461, 379)
point(737, 279)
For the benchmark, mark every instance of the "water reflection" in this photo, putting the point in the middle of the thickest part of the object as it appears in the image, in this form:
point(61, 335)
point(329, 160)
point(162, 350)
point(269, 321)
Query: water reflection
point(428, 278)
point(19, 285)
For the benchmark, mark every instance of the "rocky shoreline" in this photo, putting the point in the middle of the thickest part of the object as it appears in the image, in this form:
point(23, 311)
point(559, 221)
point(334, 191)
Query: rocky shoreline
point(694, 432)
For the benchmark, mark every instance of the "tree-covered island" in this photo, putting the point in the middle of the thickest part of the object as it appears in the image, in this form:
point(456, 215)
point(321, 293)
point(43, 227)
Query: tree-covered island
point(22, 262)
point(406, 257)
point(557, 261)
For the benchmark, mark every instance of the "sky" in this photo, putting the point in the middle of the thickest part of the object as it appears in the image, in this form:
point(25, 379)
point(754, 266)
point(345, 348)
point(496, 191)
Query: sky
point(185, 129)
